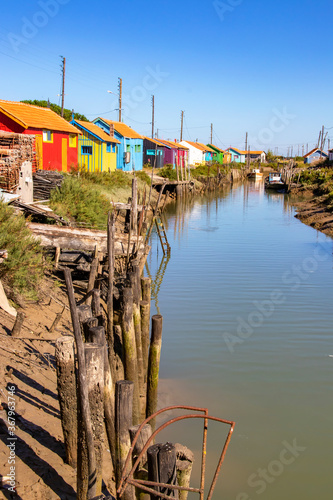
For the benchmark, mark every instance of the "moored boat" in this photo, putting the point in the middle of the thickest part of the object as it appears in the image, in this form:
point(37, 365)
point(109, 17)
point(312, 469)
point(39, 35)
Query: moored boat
point(255, 174)
point(274, 181)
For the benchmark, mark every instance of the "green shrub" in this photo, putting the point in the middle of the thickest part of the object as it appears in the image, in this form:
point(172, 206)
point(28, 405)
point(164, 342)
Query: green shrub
point(79, 200)
point(143, 177)
point(23, 270)
point(168, 172)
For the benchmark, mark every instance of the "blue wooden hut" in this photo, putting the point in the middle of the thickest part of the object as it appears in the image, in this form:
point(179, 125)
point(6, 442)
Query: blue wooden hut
point(130, 149)
point(315, 155)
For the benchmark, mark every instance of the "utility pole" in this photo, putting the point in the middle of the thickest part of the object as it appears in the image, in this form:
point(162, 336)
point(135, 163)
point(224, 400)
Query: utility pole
point(181, 126)
point(156, 135)
point(288, 153)
point(246, 142)
point(322, 138)
point(153, 116)
point(211, 133)
point(120, 88)
point(329, 143)
point(292, 151)
point(319, 139)
point(307, 147)
point(63, 85)
point(303, 150)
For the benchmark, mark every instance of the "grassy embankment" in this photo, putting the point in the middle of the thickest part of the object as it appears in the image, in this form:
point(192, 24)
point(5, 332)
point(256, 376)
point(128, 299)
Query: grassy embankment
point(319, 180)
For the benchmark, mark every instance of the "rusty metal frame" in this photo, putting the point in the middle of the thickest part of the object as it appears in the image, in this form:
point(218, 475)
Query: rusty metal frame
point(128, 478)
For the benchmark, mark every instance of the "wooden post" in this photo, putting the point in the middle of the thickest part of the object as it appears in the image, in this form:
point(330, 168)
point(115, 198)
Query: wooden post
point(162, 468)
point(84, 312)
point(154, 365)
point(117, 355)
point(56, 320)
point(87, 324)
point(110, 243)
point(124, 411)
point(83, 391)
point(18, 324)
point(179, 191)
point(184, 464)
point(141, 472)
point(129, 345)
point(146, 289)
point(136, 282)
point(92, 277)
point(144, 435)
point(145, 320)
point(57, 257)
point(66, 385)
point(96, 303)
point(96, 335)
point(135, 206)
point(94, 355)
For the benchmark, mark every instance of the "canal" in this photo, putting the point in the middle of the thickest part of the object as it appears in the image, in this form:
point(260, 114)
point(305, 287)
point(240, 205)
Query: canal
point(246, 299)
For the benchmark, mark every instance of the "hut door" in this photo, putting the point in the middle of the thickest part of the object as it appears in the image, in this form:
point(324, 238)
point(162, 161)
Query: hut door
point(39, 151)
point(64, 155)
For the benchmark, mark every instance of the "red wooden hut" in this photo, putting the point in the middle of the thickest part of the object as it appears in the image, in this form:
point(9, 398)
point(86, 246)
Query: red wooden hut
point(55, 138)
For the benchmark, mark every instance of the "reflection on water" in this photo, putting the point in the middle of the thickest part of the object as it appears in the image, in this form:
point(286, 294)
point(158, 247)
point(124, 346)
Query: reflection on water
point(246, 302)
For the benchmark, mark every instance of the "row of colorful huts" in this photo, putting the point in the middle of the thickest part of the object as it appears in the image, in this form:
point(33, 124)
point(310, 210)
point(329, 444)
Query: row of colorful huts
point(104, 145)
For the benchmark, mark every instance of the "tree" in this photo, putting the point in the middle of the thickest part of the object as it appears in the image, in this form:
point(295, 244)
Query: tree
point(57, 109)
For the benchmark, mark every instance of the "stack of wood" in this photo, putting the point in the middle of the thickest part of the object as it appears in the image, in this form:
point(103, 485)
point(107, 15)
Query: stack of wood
point(44, 182)
point(14, 150)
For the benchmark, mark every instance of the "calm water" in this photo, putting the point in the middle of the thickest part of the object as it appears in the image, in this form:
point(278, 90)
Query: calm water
point(247, 304)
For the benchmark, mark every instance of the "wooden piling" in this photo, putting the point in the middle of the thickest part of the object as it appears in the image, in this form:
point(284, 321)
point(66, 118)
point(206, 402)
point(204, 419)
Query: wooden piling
point(83, 391)
point(96, 303)
point(16, 330)
point(96, 335)
point(162, 468)
point(146, 289)
point(84, 312)
point(66, 385)
point(135, 206)
point(110, 243)
point(135, 283)
point(144, 435)
point(124, 412)
point(129, 345)
point(184, 464)
point(145, 320)
point(117, 355)
point(154, 365)
point(94, 362)
point(92, 277)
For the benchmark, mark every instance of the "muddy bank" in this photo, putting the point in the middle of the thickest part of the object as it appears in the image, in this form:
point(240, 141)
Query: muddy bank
point(312, 209)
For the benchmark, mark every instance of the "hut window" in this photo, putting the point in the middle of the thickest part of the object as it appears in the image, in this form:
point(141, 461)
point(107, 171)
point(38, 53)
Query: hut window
point(72, 140)
point(138, 148)
point(128, 148)
point(151, 152)
point(108, 147)
point(86, 150)
point(47, 136)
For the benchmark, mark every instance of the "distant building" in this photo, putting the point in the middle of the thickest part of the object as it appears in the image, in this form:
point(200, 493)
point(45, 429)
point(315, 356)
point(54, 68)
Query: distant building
point(240, 156)
point(196, 155)
point(130, 149)
point(218, 153)
point(56, 142)
point(179, 153)
point(97, 150)
point(315, 154)
point(154, 148)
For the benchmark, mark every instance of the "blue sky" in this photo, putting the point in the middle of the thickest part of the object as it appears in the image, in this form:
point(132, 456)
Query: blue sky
point(253, 66)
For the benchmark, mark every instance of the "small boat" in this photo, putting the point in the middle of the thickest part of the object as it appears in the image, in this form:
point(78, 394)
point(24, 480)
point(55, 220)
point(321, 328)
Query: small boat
point(255, 174)
point(274, 181)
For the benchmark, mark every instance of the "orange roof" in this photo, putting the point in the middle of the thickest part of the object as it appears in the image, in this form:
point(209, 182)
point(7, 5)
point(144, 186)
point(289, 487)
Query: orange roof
point(206, 148)
point(172, 144)
point(312, 151)
point(123, 129)
point(96, 130)
point(155, 141)
point(219, 149)
point(29, 116)
point(246, 152)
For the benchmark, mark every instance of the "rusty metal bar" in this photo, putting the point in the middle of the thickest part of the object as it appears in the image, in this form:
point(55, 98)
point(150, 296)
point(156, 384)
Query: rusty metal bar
point(203, 460)
point(218, 468)
point(130, 480)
